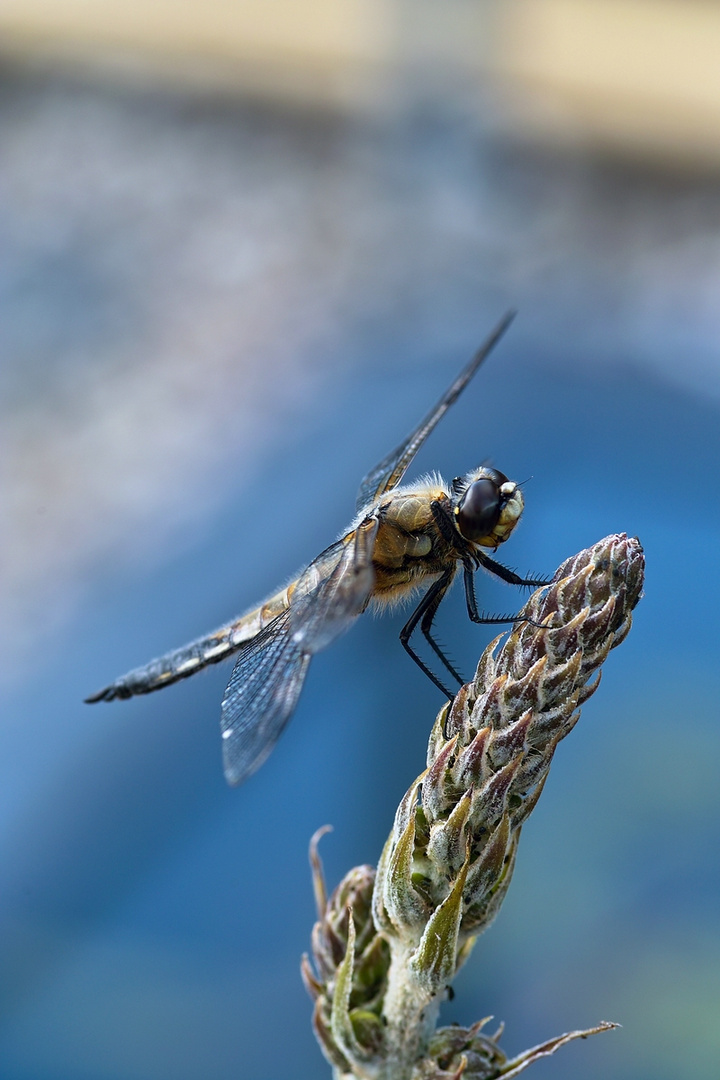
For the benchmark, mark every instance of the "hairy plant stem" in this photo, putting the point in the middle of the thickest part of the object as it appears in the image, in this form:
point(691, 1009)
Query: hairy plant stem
point(410, 1014)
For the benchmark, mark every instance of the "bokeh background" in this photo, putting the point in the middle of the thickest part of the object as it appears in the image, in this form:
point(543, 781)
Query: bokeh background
point(244, 247)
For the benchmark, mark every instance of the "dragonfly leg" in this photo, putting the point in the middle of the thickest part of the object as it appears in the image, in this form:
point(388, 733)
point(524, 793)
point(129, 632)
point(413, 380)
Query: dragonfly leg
point(506, 574)
point(477, 617)
point(425, 611)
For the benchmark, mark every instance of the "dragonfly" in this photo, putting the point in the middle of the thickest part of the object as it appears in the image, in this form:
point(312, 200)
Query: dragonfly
point(404, 539)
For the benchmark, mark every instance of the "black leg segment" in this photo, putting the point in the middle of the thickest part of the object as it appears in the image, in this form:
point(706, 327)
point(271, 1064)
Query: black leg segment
point(488, 620)
point(426, 611)
point(505, 574)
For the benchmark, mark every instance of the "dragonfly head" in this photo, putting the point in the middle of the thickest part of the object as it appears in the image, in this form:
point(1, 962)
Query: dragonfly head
point(487, 507)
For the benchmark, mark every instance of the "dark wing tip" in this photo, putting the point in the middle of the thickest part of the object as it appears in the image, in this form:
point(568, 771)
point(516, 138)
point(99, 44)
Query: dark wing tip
point(389, 472)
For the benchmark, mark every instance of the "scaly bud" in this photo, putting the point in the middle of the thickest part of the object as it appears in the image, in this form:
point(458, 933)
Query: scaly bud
point(500, 735)
point(449, 859)
point(351, 963)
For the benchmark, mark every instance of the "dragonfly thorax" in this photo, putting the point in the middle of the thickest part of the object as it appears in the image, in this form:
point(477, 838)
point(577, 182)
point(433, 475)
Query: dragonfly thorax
point(487, 507)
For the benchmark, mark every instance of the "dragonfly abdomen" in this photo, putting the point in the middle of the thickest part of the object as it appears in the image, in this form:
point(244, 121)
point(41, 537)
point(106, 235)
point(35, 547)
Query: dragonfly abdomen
point(183, 662)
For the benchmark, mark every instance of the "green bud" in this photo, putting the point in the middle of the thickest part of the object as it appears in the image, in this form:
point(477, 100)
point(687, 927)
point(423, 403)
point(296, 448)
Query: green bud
point(351, 966)
point(434, 961)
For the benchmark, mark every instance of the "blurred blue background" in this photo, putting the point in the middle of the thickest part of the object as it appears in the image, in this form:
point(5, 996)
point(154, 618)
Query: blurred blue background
point(217, 312)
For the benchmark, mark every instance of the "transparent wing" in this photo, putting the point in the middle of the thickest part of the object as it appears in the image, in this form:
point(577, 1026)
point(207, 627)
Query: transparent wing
point(269, 673)
point(389, 472)
point(334, 589)
point(260, 698)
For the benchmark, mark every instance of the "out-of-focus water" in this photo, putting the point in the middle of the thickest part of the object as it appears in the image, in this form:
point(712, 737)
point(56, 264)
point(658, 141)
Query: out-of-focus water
point(216, 318)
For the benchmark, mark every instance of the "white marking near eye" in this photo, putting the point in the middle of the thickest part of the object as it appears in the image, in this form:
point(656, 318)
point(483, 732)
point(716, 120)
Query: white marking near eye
point(192, 662)
point(227, 734)
point(216, 651)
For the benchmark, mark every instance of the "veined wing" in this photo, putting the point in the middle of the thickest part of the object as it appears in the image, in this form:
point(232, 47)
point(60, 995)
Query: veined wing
point(270, 670)
point(334, 589)
point(260, 698)
point(389, 472)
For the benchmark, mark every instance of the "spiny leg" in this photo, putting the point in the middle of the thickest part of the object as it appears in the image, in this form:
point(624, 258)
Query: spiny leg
point(426, 610)
point(506, 574)
point(489, 620)
point(426, 628)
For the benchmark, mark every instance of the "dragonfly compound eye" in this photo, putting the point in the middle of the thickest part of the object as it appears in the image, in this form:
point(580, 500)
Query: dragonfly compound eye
point(497, 476)
point(479, 510)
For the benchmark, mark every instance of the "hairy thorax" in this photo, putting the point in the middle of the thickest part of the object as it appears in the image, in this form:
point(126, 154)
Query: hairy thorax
point(409, 549)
